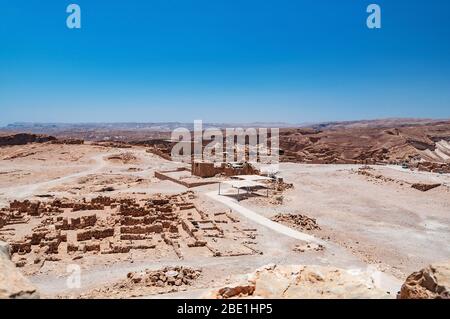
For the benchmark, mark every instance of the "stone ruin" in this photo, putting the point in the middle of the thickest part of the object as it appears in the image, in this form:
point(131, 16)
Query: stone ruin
point(104, 225)
point(207, 169)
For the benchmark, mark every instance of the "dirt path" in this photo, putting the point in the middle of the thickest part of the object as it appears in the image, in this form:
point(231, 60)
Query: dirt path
point(21, 192)
point(26, 191)
point(279, 228)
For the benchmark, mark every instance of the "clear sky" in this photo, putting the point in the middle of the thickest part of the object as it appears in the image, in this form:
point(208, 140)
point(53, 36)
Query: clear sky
point(223, 61)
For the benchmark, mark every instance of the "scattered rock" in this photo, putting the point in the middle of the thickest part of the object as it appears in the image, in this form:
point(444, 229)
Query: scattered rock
point(168, 276)
point(298, 221)
point(308, 247)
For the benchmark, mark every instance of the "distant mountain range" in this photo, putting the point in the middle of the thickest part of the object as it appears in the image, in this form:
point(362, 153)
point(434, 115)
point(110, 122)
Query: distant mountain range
point(48, 128)
point(156, 126)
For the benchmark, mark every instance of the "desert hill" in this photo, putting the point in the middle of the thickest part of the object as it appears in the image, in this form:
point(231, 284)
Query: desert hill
point(412, 141)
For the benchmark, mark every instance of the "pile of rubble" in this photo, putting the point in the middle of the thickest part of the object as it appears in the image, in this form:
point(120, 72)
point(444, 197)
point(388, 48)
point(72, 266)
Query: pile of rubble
point(148, 282)
point(301, 222)
point(308, 247)
point(280, 186)
point(276, 199)
point(168, 276)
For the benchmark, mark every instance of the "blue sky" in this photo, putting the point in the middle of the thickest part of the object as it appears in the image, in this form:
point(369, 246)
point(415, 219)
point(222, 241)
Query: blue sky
point(223, 61)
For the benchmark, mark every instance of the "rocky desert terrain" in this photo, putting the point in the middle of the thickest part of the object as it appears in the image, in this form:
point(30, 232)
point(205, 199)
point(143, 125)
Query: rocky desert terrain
point(419, 144)
point(358, 209)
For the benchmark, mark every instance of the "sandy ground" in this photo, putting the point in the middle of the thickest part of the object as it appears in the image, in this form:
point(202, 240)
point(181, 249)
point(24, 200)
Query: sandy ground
point(61, 169)
point(387, 223)
point(365, 222)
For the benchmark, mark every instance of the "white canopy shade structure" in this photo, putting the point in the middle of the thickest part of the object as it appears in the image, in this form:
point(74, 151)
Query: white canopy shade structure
point(252, 178)
point(248, 185)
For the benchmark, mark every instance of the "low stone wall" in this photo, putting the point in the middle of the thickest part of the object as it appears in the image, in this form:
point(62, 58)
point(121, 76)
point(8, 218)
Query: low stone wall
point(164, 177)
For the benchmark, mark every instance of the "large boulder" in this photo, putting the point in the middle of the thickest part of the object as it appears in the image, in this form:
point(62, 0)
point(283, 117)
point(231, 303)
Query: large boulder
point(432, 282)
point(12, 283)
point(304, 282)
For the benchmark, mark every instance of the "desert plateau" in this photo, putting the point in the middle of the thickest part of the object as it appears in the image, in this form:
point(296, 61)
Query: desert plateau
point(362, 204)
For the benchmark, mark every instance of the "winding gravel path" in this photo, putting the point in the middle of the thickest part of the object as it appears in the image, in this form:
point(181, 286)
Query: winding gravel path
point(279, 228)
